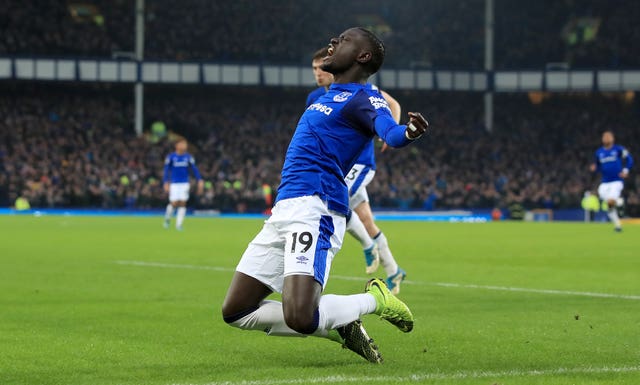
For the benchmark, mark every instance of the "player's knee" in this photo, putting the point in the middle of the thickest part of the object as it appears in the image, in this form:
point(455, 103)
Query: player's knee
point(301, 318)
point(232, 316)
point(231, 310)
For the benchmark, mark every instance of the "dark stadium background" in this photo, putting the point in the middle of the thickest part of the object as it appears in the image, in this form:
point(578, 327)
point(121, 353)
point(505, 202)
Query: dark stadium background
point(69, 143)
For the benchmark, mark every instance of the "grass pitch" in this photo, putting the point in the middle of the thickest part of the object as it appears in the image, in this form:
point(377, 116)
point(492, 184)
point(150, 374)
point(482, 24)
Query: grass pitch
point(115, 300)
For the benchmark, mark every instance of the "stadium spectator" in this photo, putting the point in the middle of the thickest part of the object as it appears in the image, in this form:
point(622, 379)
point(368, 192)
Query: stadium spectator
point(75, 147)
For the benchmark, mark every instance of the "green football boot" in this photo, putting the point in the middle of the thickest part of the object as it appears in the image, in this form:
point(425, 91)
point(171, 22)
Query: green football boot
point(389, 307)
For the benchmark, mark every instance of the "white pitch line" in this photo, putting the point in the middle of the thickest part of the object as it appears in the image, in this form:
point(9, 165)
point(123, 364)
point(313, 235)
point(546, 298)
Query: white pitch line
point(432, 376)
point(540, 291)
point(174, 265)
point(440, 284)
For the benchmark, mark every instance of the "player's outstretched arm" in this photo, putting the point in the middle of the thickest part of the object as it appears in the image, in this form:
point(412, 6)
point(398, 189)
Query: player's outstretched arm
point(417, 126)
point(400, 135)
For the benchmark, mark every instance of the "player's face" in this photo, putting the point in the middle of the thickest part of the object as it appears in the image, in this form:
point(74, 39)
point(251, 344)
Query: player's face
point(607, 139)
point(323, 78)
point(181, 146)
point(344, 52)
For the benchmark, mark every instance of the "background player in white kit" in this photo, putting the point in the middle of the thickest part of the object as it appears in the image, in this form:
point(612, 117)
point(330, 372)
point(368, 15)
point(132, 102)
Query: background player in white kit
point(176, 182)
point(613, 162)
point(360, 223)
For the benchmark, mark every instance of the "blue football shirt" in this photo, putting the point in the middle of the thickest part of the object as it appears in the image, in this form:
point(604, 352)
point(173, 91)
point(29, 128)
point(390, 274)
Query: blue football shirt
point(367, 156)
point(331, 134)
point(176, 168)
point(610, 162)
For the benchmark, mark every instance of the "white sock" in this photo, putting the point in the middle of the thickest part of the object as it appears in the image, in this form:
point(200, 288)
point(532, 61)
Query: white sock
point(269, 318)
point(386, 258)
point(339, 310)
point(182, 211)
point(334, 311)
point(356, 228)
point(613, 215)
point(169, 212)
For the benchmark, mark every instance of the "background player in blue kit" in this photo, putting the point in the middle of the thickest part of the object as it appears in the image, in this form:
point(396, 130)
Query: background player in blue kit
point(360, 223)
point(613, 162)
point(176, 182)
point(293, 252)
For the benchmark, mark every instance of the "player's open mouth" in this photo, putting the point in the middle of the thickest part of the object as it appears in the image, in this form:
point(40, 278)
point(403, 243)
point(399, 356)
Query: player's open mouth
point(330, 51)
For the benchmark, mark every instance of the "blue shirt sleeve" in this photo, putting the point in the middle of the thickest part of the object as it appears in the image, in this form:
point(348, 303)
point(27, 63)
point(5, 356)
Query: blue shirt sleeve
point(194, 168)
point(370, 113)
point(167, 170)
point(392, 133)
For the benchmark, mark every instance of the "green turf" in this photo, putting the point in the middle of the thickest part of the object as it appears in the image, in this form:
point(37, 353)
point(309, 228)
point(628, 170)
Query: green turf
point(69, 314)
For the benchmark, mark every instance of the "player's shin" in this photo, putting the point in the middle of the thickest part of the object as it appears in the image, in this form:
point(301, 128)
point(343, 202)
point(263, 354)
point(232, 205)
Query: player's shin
point(168, 212)
point(386, 258)
point(339, 310)
point(356, 228)
point(613, 216)
point(182, 211)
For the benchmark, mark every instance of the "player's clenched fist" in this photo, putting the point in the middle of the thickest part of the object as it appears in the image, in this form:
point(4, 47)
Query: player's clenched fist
point(417, 125)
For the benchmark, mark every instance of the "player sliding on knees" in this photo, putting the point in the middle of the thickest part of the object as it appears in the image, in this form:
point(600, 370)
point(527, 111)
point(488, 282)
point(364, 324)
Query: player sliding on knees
point(361, 224)
point(176, 182)
point(613, 162)
point(293, 252)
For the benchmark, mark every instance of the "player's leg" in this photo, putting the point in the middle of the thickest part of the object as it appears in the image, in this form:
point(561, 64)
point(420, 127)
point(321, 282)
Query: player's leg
point(356, 228)
point(244, 296)
point(258, 274)
point(181, 212)
point(168, 213)
point(171, 206)
point(312, 239)
point(357, 180)
point(395, 274)
point(181, 204)
point(610, 192)
point(304, 311)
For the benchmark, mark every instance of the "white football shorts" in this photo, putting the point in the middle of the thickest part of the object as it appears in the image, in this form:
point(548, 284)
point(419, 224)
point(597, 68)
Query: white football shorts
point(610, 190)
point(300, 238)
point(357, 180)
point(178, 192)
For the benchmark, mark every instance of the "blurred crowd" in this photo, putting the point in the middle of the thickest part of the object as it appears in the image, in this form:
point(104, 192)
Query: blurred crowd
point(418, 33)
point(64, 146)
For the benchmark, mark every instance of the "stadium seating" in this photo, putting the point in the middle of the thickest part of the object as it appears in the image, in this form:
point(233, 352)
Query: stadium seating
point(449, 34)
point(74, 146)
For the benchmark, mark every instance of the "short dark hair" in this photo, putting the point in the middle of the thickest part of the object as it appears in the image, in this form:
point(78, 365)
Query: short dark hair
point(377, 51)
point(321, 53)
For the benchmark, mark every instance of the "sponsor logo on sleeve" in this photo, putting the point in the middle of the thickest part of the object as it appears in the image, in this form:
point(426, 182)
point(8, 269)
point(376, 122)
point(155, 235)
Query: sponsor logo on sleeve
point(378, 103)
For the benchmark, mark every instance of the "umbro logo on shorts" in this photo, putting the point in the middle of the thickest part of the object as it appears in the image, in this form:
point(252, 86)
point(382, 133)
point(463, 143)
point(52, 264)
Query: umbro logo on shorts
point(302, 259)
